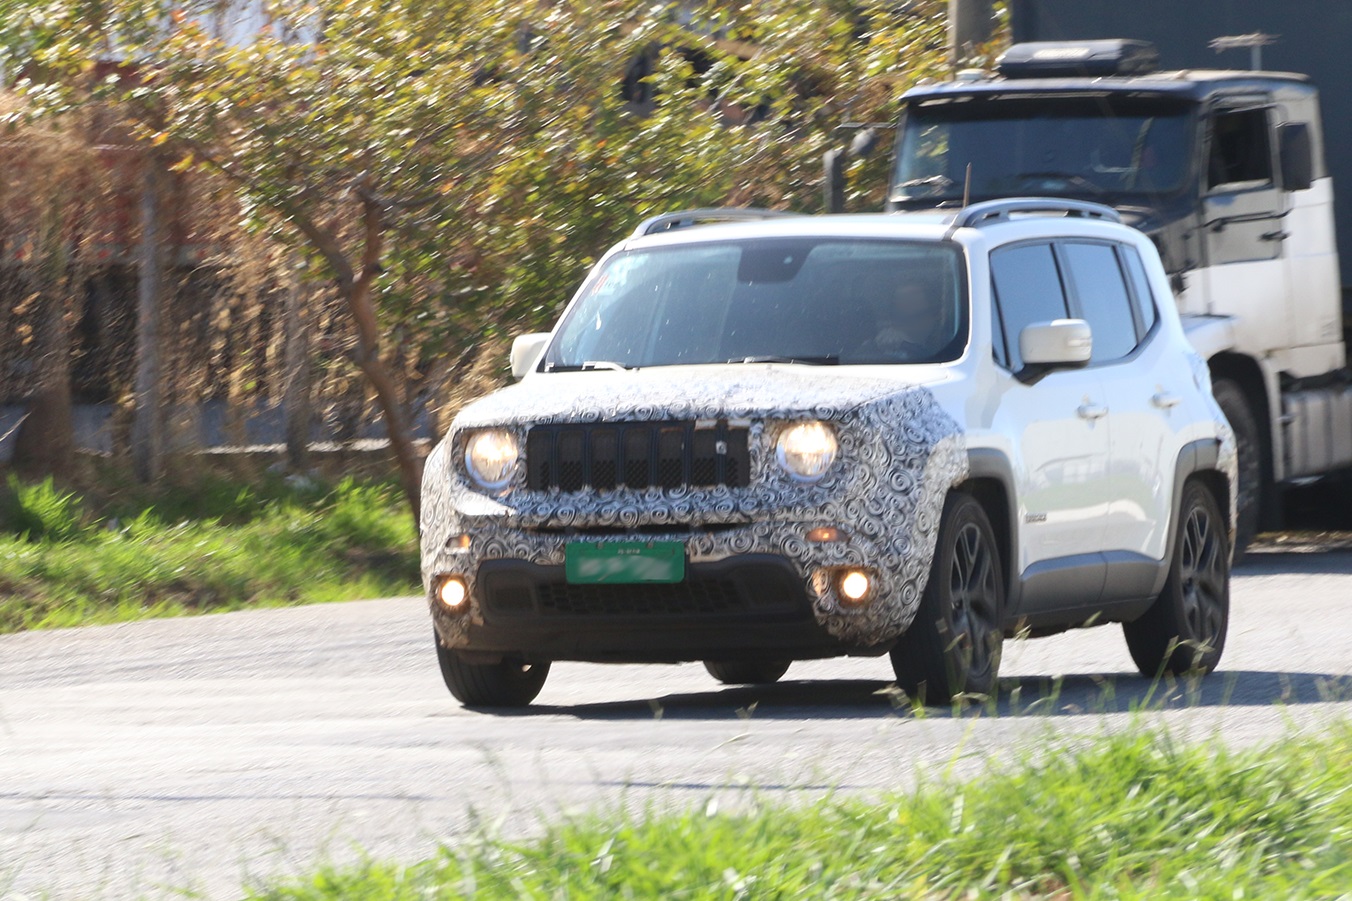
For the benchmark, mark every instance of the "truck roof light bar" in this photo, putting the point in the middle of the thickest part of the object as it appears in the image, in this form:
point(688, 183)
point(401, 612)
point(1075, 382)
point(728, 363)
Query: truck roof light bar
point(992, 211)
point(687, 218)
point(1078, 59)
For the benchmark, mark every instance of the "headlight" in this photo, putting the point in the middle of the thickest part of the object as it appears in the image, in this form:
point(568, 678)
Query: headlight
point(806, 450)
point(490, 457)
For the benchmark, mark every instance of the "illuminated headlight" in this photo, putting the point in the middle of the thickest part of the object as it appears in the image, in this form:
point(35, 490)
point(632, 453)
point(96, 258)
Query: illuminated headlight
point(490, 458)
point(806, 450)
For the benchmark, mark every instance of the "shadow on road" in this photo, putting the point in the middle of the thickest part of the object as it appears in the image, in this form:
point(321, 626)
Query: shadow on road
point(1308, 555)
point(1076, 695)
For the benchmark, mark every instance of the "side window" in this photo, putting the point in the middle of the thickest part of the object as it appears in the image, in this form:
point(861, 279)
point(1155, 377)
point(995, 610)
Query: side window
point(1027, 290)
point(1239, 148)
point(1103, 299)
point(1140, 284)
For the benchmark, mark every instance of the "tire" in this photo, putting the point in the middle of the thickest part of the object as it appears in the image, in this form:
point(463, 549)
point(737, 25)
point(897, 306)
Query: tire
point(1249, 445)
point(1184, 630)
point(747, 672)
point(508, 683)
point(953, 647)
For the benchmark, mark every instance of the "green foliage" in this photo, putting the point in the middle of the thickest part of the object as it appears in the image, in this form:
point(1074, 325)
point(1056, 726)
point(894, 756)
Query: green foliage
point(356, 517)
point(490, 138)
point(214, 545)
point(40, 512)
point(451, 167)
point(1131, 816)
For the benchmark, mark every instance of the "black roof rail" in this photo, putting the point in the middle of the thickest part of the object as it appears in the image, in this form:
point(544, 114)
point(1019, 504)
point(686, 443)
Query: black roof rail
point(990, 211)
point(686, 218)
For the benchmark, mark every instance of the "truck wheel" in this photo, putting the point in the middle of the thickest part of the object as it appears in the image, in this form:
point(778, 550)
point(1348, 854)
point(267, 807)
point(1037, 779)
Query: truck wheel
point(1184, 630)
point(1249, 446)
point(507, 683)
point(953, 646)
point(747, 672)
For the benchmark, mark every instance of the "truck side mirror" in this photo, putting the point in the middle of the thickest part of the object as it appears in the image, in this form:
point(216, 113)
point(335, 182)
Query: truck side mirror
point(833, 179)
point(1297, 155)
point(526, 352)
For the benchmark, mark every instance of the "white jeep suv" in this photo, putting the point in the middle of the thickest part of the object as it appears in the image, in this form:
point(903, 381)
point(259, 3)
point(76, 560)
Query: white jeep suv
point(786, 437)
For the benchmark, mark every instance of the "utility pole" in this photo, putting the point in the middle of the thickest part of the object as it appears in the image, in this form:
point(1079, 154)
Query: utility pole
point(147, 424)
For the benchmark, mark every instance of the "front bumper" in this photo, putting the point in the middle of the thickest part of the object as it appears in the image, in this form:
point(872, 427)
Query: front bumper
point(751, 588)
point(746, 605)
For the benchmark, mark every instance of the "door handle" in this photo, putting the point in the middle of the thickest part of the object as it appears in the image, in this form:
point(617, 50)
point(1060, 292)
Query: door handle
point(1091, 411)
point(1164, 400)
point(1274, 236)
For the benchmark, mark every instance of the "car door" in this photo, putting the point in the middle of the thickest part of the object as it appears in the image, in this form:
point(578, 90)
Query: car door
point(1060, 437)
point(1243, 230)
point(1144, 382)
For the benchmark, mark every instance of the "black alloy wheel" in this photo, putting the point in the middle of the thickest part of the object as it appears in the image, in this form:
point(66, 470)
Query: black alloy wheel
point(953, 646)
point(1184, 630)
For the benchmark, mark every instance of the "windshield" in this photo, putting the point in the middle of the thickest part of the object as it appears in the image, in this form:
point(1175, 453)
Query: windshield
point(799, 300)
point(1095, 147)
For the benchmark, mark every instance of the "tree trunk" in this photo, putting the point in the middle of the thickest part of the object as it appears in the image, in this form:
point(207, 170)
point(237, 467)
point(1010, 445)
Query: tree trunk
point(45, 442)
point(296, 399)
point(357, 294)
point(396, 423)
point(147, 427)
point(354, 287)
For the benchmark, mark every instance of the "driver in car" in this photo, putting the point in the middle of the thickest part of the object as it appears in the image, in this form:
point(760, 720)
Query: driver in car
point(912, 325)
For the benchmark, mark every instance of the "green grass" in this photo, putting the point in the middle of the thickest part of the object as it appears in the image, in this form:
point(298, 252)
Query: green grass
point(208, 543)
point(1133, 816)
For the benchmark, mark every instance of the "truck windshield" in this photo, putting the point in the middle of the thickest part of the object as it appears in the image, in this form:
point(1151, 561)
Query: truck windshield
point(1100, 146)
point(810, 301)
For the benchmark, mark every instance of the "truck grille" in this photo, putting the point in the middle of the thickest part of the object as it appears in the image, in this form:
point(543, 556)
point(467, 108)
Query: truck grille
point(637, 455)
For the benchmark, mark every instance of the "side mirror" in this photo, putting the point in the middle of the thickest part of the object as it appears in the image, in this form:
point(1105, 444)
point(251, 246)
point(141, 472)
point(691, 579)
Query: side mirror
point(526, 350)
point(1059, 344)
point(1297, 155)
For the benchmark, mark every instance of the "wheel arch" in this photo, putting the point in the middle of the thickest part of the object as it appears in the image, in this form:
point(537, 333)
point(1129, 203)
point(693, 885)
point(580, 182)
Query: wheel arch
point(1199, 461)
point(990, 480)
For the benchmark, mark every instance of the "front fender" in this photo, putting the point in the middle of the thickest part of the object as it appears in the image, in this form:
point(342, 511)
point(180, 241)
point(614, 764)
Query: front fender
point(1209, 335)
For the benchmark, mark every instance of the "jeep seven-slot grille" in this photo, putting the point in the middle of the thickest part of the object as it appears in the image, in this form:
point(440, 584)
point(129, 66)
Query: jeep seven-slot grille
point(638, 455)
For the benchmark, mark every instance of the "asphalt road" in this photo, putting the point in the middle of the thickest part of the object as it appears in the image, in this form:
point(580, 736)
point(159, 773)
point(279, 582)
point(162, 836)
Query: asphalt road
point(206, 754)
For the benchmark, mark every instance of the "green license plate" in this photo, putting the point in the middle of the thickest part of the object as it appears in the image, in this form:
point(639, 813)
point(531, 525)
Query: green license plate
point(623, 562)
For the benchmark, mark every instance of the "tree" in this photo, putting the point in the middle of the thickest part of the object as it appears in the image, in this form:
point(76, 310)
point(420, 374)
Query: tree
point(47, 192)
point(453, 166)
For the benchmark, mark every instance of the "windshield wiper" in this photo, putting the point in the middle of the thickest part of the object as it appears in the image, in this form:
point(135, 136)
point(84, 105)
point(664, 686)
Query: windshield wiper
point(932, 181)
point(803, 361)
point(586, 366)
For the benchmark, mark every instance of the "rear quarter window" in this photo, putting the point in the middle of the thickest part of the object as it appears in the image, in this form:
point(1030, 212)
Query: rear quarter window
point(1103, 299)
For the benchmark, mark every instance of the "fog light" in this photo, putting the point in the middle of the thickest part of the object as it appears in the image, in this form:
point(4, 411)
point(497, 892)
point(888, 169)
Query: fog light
point(453, 594)
point(854, 586)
